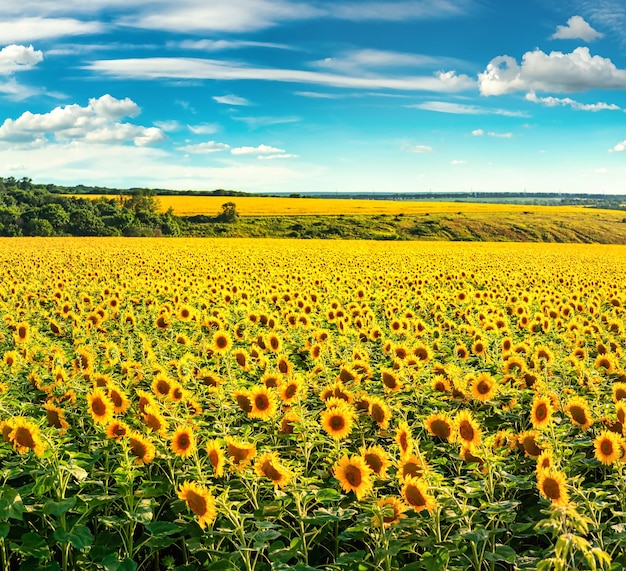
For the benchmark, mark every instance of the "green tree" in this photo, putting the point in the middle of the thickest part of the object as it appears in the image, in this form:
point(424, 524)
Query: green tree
point(229, 213)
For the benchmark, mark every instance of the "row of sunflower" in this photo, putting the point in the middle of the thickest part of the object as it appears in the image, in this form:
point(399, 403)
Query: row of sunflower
point(360, 406)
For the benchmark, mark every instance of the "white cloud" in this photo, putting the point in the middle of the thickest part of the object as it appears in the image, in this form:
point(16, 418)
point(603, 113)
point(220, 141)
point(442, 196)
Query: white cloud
point(260, 150)
point(358, 61)
point(399, 10)
point(194, 68)
point(418, 149)
point(619, 148)
point(231, 100)
point(37, 28)
point(280, 156)
point(204, 148)
point(98, 122)
point(601, 170)
point(204, 128)
point(194, 16)
point(463, 109)
point(500, 135)
point(168, 126)
point(577, 29)
point(568, 102)
point(457, 162)
point(256, 122)
point(219, 45)
point(16, 58)
point(577, 71)
point(478, 132)
point(317, 95)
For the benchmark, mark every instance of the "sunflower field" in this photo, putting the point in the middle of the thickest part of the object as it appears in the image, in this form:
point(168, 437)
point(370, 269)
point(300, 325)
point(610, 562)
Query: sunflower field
point(301, 405)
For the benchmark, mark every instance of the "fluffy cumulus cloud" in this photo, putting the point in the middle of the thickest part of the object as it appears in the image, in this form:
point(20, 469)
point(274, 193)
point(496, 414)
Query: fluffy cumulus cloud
point(577, 29)
point(569, 102)
point(97, 122)
point(619, 148)
point(557, 72)
point(17, 58)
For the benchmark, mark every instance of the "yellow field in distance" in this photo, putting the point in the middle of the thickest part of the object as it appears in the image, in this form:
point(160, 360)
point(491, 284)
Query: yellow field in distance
point(284, 206)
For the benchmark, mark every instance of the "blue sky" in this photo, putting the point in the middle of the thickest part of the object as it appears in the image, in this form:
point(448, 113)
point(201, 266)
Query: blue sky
point(316, 95)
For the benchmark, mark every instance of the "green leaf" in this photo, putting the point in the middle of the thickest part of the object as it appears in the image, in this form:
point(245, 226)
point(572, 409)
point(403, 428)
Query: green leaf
point(326, 495)
point(4, 529)
point(143, 512)
point(33, 545)
point(11, 505)
point(127, 565)
point(502, 553)
point(163, 528)
point(79, 538)
point(58, 508)
point(476, 536)
point(221, 565)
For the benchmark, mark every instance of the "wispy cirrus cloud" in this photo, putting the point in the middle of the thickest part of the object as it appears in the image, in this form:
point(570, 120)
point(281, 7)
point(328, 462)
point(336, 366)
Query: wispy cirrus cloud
point(569, 102)
point(481, 132)
point(399, 10)
point(464, 109)
point(204, 148)
point(34, 28)
point(231, 100)
point(195, 68)
point(221, 45)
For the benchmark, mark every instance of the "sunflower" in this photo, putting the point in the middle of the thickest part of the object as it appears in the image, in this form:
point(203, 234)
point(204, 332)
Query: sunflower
point(354, 475)
point(619, 392)
point(441, 384)
point(183, 441)
point(100, 406)
point(200, 501)
point(377, 460)
point(263, 403)
point(380, 412)
point(221, 342)
point(391, 511)
point(545, 461)
point(468, 429)
point(161, 386)
point(527, 441)
point(243, 400)
point(291, 390)
point(22, 332)
point(552, 485)
point(470, 458)
point(116, 429)
point(404, 438)
point(240, 453)
point(242, 358)
point(288, 421)
point(145, 399)
point(337, 390)
point(216, 457)
point(269, 466)
point(578, 411)
point(415, 493)
point(440, 425)
point(24, 436)
point(118, 398)
point(608, 447)
point(411, 465)
point(55, 416)
point(141, 447)
point(484, 387)
point(337, 421)
point(541, 412)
